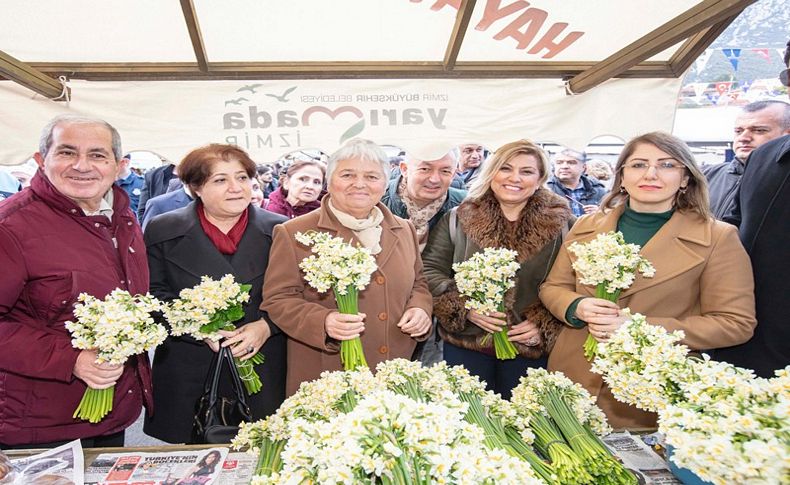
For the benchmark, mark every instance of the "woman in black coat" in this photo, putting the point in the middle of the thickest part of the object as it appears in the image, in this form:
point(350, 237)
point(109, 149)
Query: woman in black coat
point(219, 233)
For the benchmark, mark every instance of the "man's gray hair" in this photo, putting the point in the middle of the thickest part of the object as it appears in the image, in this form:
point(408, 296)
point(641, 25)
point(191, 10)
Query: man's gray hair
point(575, 154)
point(784, 121)
point(454, 153)
point(45, 142)
point(362, 149)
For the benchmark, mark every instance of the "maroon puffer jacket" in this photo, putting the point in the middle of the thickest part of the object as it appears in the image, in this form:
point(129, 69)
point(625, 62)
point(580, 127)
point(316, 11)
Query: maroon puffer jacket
point(50, 252)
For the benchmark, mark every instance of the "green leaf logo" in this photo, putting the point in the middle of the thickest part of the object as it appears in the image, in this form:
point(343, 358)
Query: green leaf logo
point(355, 130)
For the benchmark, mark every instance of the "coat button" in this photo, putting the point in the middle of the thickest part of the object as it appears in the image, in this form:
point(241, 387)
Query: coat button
point(380, 279)
point(97, 224)
point(63, 302)
point(130, 391)
point(73, 211)
point(129, 223)
point(383, 349)
point(122, 281)
point(382, 316)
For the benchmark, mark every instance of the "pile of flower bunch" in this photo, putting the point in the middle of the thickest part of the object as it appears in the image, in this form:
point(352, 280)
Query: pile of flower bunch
point(724, 424)
point(484, 279)
point(345, 269)
point(406, 424)
point(208, 307)
point(610, 265)
point(567, 425)
point(117, 328)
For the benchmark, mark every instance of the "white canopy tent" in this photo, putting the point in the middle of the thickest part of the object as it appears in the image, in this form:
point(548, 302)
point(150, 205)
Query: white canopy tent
point(421, 74)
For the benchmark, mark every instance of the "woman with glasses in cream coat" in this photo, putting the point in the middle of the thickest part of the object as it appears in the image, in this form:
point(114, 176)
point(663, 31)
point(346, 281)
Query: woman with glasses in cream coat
point(703, 280)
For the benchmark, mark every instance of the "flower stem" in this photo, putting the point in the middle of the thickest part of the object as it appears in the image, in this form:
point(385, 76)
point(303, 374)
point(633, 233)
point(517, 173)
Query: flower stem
point(352, 354)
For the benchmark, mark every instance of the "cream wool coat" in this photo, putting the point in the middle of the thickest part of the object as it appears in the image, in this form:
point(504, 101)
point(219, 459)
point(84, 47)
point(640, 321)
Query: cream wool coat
point(300, 311)
point(703, 285)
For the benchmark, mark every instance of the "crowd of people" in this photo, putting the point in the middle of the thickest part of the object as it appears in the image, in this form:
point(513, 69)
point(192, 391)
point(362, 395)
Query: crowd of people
point(717, 237)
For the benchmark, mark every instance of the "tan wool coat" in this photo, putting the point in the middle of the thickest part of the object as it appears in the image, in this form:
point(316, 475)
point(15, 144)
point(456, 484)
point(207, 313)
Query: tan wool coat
point(300, 311)
point(703, 285)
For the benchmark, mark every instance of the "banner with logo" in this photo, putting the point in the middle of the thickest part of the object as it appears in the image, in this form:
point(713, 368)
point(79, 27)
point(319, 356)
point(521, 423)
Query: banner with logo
point(272, 118)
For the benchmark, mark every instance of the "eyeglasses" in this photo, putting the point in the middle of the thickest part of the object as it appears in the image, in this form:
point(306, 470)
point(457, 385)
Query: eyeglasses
point(783, 78)
point(661, 167)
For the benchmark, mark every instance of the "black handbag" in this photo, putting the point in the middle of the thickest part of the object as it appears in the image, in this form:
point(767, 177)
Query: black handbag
point(217, 417)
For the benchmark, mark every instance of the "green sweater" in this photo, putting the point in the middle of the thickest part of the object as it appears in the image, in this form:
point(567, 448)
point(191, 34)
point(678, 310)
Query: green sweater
point(637, 228)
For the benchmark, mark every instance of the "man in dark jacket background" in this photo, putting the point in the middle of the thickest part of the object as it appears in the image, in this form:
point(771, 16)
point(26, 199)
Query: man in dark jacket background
point(758, 122)
point(762, 214)
point(582, 192)
point(71, 231)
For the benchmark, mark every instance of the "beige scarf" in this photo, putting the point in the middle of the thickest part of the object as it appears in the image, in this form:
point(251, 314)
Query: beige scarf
point(367, 230)
point(419, 216)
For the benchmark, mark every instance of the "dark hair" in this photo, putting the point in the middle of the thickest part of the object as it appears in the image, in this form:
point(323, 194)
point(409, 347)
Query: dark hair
point(195, 169)
point(693, 199)
point(784, 121)
point(264, 169)
point(202, 463)
point(295, 167)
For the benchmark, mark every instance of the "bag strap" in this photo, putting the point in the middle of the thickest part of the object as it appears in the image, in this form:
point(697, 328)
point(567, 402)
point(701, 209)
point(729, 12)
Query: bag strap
point(453, 225)
point(212, 384)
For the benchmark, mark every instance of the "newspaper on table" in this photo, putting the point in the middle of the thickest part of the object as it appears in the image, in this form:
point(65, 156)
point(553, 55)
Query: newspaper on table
point(61, 466)
point(193, 467)
point(648, 467)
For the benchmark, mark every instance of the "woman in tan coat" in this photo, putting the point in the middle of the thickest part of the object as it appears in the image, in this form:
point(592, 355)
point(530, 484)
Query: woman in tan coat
point(703, 282)
point(396, 306)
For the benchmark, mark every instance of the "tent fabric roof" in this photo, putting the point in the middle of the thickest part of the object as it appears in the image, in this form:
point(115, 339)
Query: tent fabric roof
point(172, 75)
point(257, 39)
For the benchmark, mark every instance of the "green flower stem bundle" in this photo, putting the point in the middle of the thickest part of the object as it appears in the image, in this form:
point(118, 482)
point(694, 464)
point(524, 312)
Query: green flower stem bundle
point(568, 467)
point(595, 456)
point(352, 355)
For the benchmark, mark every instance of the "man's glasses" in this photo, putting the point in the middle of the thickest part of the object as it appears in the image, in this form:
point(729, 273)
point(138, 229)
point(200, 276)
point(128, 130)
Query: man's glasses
point(661, 167)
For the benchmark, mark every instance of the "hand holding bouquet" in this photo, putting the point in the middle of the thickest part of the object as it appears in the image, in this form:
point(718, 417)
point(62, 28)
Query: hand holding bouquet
point(609, 264)
point(346, 270)
point(484, 279)
point(116, 328)
point(207, 308)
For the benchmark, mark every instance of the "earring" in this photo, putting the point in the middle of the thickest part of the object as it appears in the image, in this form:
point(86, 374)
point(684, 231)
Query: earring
point(682, 190)
point(622, 189)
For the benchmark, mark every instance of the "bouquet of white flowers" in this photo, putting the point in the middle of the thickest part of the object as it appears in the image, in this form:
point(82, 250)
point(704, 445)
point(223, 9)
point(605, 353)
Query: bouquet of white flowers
point(207, 308)
point(117, 327)
point(484, 279)
point(723, 423)
point(346, 270)
point(609, 264)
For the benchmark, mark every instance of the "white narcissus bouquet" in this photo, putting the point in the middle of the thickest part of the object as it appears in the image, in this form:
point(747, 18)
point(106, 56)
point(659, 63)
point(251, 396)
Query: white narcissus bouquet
point(484, 279)
point(610, 265)
point(723, 423)
point(345, 269)
point(117, 327)
point(208, 307)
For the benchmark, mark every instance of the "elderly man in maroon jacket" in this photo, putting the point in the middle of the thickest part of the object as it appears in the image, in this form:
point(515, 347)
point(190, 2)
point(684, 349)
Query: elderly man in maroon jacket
point(70, 232)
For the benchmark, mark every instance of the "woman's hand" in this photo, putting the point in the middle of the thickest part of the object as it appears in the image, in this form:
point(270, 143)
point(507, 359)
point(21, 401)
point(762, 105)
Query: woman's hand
point(526, 333)
point(602, 331)
point(247, 340)
point(415, 322)
point(342, 326)
point(603, 317)
point(491, 323)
